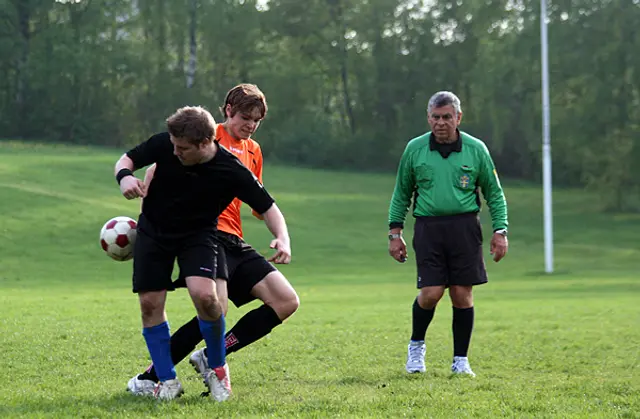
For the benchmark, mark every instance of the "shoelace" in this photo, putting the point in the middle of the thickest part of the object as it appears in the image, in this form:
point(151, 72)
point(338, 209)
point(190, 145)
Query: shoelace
point(415, 353)
point(461, 365)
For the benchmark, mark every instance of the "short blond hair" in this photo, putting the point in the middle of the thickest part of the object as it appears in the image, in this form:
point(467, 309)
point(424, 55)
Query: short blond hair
point(192, 123)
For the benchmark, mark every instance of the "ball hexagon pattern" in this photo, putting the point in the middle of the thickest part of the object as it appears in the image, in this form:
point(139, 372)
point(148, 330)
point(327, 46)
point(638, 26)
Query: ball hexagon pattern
point(117, 238)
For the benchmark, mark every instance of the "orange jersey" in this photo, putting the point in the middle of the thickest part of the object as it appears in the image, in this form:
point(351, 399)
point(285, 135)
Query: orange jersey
point(250, 154)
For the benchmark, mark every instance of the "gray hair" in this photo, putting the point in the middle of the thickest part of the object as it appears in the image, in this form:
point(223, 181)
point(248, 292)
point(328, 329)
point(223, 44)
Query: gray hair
point(444, 98)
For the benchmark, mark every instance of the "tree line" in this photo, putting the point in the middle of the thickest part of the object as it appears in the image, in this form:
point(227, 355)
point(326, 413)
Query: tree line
point(347, 81)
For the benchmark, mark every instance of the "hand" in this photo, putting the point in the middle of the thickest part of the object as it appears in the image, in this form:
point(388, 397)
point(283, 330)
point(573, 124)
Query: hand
point(499, 246)
point(283, 251)
point(398, 249)
point(132, 187)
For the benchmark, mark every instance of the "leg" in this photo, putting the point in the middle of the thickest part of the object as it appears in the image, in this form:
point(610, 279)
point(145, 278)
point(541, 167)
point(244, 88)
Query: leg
point(463, 313)
point(432, 279)
point(187, 337)
point(211, 319)
point(280, 302)
point(424, 308)
point(156, 332)
point(152, 266)
point(467, 270)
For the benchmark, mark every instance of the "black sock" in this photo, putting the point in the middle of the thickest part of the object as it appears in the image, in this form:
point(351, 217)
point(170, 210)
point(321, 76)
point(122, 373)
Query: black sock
point(183, 341)
point(252, 326)
point(462, 326)
point(420, 321)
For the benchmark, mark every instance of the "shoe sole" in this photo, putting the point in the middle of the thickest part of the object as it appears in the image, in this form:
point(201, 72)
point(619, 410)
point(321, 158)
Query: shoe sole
point(204, 382)
point(168, 400)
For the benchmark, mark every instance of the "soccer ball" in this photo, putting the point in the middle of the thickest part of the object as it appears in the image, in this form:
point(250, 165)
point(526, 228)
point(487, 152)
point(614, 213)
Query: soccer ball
point(117, 238)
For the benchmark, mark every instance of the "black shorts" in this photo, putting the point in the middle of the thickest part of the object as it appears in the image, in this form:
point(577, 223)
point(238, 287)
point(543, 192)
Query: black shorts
point(448, 250)
point(240, 265)
point(154, 255)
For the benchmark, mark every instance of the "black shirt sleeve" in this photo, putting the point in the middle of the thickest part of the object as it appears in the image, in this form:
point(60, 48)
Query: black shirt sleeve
point(251, 191)
point(151, 151)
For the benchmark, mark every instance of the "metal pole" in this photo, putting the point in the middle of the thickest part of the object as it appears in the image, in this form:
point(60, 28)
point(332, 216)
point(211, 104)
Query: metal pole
point(546, 144)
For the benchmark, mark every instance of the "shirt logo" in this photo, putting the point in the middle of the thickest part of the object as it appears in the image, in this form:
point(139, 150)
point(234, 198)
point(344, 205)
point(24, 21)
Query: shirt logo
point(236, 150)
point(464, 181)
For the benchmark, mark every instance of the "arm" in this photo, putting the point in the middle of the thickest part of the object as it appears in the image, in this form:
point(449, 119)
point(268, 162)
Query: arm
point(258, 173)
point(251, 191)
point(400, 201)
point(492, 191)
point(148, 177)
point(141, 155)
point(130, 186)
point(277, 225)
point(494, 195)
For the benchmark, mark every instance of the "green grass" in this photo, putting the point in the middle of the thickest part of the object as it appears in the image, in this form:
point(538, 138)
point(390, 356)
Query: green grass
point(562, 345)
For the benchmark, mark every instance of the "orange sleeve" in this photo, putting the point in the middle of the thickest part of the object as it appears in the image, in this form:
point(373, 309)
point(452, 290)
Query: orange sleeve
point(257, 152)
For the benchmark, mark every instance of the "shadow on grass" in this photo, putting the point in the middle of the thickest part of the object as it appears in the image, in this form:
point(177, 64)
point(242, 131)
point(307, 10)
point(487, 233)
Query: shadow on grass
point(96, 406)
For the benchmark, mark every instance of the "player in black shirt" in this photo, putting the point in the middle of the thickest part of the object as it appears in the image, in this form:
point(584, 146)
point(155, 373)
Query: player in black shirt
point(195, 180)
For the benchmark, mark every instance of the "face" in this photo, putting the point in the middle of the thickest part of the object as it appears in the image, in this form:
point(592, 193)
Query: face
point(188, 153)
point(242, 125)
point(444, 121)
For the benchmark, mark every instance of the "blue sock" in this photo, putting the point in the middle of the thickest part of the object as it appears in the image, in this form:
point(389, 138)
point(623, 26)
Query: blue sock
point(213, 333)
point(158, 342)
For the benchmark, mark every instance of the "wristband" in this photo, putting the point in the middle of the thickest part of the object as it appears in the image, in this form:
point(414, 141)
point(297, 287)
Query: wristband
point(122, 174)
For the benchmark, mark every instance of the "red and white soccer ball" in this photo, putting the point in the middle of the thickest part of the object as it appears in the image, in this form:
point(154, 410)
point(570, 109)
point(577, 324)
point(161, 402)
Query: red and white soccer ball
point(117, 238)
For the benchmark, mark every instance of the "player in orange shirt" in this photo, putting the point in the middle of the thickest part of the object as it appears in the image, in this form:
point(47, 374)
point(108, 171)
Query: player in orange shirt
point(241, 271)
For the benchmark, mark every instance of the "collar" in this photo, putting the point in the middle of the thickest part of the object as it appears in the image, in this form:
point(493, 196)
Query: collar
point(445, 149)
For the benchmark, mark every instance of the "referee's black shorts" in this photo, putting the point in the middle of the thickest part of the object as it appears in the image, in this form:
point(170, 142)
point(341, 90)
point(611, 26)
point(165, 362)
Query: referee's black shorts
point(448, 250)
point(240, 265)
point(154, 255)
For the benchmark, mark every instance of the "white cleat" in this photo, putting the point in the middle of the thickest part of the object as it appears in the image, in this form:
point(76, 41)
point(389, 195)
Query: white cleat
point(219, 383)
point(168, 390)
point(199, 361)
point(415, 357)
point(139, 387)
point(461, 366)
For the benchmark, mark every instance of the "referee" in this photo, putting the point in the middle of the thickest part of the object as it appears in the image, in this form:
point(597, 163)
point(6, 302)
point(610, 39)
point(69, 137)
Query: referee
point(442, 171)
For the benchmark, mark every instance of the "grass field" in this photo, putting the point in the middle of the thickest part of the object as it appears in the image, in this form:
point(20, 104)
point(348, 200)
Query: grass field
point(564, 345)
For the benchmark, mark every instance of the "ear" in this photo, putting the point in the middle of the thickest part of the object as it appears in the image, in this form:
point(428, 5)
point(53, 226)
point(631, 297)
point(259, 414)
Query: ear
point(204, 144)
point(227, 111)
point(459, 118)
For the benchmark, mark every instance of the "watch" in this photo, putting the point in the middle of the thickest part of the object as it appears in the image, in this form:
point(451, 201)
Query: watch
point(502, 231)
point(393, 236)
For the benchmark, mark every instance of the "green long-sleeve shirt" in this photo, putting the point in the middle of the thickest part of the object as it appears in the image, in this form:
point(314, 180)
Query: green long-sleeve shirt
point(448, 186)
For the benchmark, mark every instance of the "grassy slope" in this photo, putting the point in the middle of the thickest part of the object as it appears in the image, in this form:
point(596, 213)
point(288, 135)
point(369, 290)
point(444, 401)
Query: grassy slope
point(561, 345)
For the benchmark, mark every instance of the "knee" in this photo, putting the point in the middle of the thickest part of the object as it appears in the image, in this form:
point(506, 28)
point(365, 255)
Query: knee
point(150, 306)
point(461, 297)
point(286, 306)
point(206, 301)
point(429, 298)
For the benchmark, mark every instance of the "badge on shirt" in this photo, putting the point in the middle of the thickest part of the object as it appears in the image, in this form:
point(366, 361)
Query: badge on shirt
point(464, 181)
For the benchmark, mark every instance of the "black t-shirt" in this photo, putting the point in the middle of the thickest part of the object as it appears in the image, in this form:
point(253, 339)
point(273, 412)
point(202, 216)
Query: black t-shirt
point(182, 199)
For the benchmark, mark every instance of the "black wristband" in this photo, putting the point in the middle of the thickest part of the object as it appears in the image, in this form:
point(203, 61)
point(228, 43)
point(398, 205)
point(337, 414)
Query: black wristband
point(122, 174)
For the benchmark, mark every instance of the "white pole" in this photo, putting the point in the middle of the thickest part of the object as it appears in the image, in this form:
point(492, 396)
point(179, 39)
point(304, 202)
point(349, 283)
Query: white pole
point(546, 143)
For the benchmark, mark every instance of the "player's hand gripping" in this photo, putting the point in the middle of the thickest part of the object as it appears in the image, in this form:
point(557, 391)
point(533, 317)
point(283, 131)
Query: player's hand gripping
point(132, 187)
point(398, 249)
point(283, 251)
point(499, 246)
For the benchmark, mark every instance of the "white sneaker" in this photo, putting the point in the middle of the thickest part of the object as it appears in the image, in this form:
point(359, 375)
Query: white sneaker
point(461, 366)
point(139, 387)
point(219, 382)
point(415, 356)
point(168, 390)
point(199, 361)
